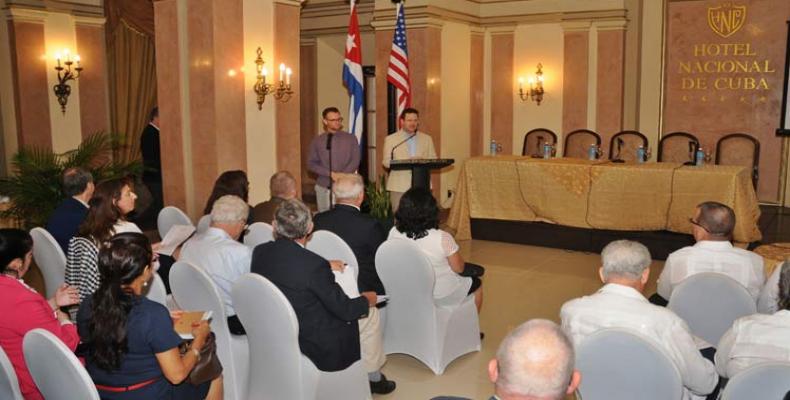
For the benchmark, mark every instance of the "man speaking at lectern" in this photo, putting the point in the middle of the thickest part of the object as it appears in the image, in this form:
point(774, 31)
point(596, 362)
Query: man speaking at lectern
point(404, 144)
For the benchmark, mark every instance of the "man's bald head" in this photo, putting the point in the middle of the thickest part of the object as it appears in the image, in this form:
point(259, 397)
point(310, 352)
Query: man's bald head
point(535, 361)
point(716, 219)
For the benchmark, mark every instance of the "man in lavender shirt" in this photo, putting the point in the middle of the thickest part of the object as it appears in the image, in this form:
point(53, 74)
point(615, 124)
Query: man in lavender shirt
point(344, 155)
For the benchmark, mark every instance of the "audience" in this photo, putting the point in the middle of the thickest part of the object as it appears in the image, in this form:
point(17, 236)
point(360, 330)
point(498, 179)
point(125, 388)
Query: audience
point(621, 304)
point(329, 334)
point(363, 233)
point(22, 309)
point(229, 182)
point(769, 295)
point(758, 338)
point(66, 219)
point(131, 343)
point(712, 229)
point(282, 186)
point(417, 219)
point(111, 202)
point(218, 252)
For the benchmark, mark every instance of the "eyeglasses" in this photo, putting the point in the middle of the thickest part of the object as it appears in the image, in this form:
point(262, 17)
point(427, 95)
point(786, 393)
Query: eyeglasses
point(336, 120)
point(694, 222)
point(246, 230)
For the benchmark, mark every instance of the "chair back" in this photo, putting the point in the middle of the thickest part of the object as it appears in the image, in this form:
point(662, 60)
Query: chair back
point(203, 223)
point(678, 147)
point(763, 381)
point(9, 384)
point(49, 258)
point(739, 149)
point(258, 233)
point(331, 247)
point(577, 143)
point(155, 291)
point(624, 144)
point(534, 141)
point(194, 290)
point(170, 216)
point(614, 363)
point(55, 369)
point(276, 363)
point(710, 302)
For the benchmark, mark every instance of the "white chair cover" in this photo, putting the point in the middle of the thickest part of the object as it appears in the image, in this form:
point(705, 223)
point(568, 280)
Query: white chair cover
point(259, 232)
point(193, 290)
point(55, 369)
point(764, 381)
point(156, 290)
point(616, 364)
point(710, 302)
point(279, 368)
point(9, 384)
point(203, 223)
point(170, 216)
point(331, 247)
point(49, 258)
point(434, 332)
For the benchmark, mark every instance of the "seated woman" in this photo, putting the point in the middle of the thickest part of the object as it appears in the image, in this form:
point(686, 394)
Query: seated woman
point(22, 309)
point(111, 202)
point(758, 338)
point(230, 182)
point(132, 348)
point(417, 219)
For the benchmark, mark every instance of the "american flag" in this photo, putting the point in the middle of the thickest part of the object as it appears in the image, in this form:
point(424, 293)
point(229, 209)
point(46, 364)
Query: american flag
point(352, 75)
point(398, 70)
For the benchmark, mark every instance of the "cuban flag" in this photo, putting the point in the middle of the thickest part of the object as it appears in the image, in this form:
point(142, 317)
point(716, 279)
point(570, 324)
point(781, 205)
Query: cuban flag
point(352, 75)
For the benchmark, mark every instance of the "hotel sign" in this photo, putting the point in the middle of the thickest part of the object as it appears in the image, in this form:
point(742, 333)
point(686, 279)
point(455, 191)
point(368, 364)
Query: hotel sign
point(726, 19)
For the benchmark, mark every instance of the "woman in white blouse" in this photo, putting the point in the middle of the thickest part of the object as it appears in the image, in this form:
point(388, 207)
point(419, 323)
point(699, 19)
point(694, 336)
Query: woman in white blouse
point(417, 219)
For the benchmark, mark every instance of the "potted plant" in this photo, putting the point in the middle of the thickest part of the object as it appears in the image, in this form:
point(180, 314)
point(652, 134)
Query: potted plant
point(377, 202)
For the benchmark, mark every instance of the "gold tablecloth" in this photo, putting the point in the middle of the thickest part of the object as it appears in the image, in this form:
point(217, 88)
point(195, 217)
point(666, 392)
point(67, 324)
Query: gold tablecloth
point(599, 194)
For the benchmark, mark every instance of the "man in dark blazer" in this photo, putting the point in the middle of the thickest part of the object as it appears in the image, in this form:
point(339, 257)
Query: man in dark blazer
point(363, 233)
point(282, 186)
point(152, 164)
point(328, 328)
point(66, 219)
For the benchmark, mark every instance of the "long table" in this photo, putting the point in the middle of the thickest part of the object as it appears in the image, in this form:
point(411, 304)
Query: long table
point(600, 194)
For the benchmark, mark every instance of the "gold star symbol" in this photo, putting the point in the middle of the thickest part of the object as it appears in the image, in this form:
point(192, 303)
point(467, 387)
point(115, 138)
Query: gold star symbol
point(762, 99)
point(704, 98)
point(743, 99)
point(721, 98)
point(685, 98)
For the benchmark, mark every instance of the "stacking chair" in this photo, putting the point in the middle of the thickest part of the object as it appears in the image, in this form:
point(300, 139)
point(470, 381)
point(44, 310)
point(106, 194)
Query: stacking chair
point(577, 143)
point(534, 141)
point(330, 246)
point(616, 364)
point(436, 332)
point(739, 149)
point(259, 233)
point(278, 367)
point(193, 290)
point(203, 223)
point(55, 369)
point(710, 302)
point(678, 147)
point(170, 216)
point(155, 291)
point(763, 381)
point(624, 144)
point(9, 384)
point(49, 258)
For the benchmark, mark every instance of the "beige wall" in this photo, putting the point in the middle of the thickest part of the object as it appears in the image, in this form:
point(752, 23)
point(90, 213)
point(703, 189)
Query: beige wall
point(455, 89)
point(59, 34)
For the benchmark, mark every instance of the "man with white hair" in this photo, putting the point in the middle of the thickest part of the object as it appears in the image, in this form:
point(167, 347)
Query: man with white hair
point(218, 252)
point(363, 233)
point(620, 303)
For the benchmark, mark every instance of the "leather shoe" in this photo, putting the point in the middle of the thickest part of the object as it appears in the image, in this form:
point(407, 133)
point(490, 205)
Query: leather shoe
point(383, 386)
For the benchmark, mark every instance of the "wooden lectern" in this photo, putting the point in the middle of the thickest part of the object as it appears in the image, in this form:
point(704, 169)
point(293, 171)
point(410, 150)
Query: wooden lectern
point(421, 169)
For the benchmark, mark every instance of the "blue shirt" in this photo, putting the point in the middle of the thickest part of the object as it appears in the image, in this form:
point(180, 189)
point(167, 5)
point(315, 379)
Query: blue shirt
point(412, 144)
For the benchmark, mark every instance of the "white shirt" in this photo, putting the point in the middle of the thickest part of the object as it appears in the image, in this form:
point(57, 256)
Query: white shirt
point(619, 306)
point(125, 226)
point(766, 303)
point(221, 257)
point(752, 340)
point(742, 265)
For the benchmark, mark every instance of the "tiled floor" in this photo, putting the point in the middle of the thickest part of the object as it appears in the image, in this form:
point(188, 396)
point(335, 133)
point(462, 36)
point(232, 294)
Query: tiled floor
point(521, 282)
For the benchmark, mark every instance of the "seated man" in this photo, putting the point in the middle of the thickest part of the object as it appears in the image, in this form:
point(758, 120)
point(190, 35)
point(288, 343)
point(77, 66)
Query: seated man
point(66, 219)
point(282, 186)
point(620, 304)
point(218, 252)
point(363, 233)
point(328, 333)
point(769, 295)
point(712, 228)
point(758, 338)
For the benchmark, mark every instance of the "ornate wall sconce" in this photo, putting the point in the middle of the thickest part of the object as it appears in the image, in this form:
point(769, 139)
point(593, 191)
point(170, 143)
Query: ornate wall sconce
point(281, 90)
point(535, 92)
point(66, 74)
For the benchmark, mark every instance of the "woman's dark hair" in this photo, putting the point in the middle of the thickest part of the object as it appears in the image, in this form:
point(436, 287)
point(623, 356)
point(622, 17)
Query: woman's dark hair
point(121, 260)
point(230, 182)
point(783, 296)
point(417, 212)
point(103, 213)
point(14, 243)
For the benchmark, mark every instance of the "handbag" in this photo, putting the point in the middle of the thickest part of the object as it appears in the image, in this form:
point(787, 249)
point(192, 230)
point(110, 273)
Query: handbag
point(208, 366)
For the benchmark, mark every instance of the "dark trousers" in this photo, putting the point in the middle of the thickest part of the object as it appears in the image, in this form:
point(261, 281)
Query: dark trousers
point(658, 300)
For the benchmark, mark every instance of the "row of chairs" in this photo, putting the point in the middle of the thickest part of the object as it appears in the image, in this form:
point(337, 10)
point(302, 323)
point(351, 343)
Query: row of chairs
point(680, 147)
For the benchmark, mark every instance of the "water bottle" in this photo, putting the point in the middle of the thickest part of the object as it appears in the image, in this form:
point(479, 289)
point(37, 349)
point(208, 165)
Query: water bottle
point(592, 153)
point(546, 151)
point(492, 147)
point(699, 157)
point(640, 154)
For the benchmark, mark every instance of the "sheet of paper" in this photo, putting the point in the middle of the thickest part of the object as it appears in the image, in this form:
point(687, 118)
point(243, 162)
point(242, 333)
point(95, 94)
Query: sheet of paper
point(347, 282)
point(177, 235)
point(381, 298)
point(184, 324)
